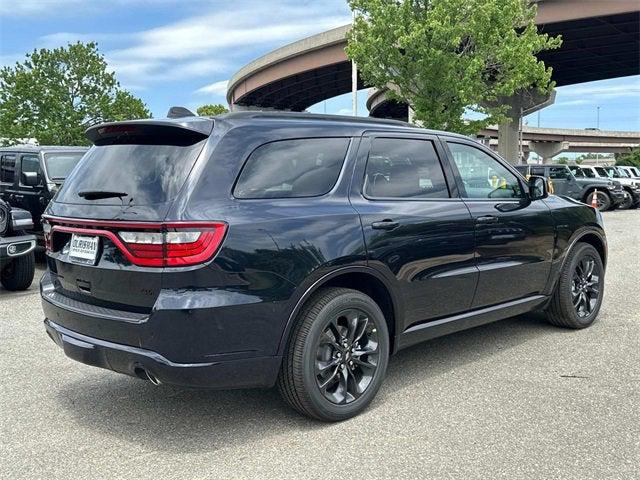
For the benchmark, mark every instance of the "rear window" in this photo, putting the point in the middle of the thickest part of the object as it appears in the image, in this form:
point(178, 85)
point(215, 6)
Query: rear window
point(146, 174)
point(59, 165)
point(306, 167)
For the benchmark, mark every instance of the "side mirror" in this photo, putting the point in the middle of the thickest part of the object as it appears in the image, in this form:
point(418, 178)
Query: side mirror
point(538, 188)
point(30, 179)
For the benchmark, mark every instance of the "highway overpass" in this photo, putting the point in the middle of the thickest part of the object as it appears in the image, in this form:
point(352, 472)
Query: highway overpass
point(601, 40)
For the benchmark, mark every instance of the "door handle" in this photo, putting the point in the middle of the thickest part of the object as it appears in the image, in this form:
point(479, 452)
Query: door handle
point(385, 224)
point(487, 219)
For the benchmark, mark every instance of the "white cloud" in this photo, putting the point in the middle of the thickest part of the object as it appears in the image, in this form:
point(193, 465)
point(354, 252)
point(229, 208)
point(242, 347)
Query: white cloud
point(216, 88)
point(209, 43)
point(596, 92)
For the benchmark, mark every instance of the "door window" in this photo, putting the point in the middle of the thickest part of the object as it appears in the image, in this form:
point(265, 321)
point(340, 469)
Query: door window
point(404, 168)
point(559, 173)
point(7, 168)
point(31, 163)
point(482, 175)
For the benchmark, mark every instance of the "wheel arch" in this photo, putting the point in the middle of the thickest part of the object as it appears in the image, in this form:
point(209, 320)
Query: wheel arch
point(361, 278)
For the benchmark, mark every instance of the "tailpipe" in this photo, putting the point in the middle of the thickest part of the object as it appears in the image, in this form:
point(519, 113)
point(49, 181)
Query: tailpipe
point(146, 375)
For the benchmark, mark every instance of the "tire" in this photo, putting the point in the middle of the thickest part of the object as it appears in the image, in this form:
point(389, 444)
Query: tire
point(316, 341)
point(604, 200)
point(562, 310)
point(627, 203)
point(19, 273)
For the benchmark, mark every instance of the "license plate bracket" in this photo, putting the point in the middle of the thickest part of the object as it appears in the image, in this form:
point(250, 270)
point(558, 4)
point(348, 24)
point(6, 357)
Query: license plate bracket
point(83, 249)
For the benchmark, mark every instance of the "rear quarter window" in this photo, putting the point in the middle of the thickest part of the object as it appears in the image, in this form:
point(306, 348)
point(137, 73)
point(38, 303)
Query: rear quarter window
point(304, 167)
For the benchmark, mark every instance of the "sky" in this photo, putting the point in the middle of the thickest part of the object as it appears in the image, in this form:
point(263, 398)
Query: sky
point(182, 52)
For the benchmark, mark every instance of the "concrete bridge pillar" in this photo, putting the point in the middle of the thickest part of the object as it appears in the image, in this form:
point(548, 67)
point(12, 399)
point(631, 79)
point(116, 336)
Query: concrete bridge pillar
point(548, 150)
point(520, 104)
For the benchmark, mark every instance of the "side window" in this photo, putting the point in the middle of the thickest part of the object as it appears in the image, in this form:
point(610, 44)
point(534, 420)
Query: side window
point(7, 168)
point(306, 167)
point(559, 173)
point(30, 163)
point(404, 168)
point(482, 175)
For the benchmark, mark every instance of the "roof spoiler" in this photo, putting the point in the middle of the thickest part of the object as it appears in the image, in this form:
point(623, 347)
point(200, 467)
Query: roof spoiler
point(149, 131)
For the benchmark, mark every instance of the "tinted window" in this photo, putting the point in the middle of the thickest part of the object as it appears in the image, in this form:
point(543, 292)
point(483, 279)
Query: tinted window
point(482, 175)
point(7, 168)
point(559, 173)
point(404, 168)
point(306, 167)
point(59, 165)
point(588, 172)
point(147, 174)
point(31, 163)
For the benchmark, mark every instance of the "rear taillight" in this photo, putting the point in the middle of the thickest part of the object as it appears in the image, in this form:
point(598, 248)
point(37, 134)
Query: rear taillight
point(46, 229)
point(175, 245)
point(146, 244)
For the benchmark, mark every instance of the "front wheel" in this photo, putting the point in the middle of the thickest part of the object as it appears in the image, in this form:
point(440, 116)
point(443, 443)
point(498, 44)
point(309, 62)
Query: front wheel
point(627, 202)
point(337, 357)
point(578, 295)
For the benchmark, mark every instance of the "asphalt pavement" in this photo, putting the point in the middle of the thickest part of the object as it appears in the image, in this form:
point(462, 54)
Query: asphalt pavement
point(514, 399)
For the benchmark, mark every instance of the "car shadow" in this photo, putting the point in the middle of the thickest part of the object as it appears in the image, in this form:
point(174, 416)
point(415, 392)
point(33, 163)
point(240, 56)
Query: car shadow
point(182, 420)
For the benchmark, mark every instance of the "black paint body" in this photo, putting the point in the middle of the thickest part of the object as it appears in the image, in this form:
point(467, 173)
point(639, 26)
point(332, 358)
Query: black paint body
point(227, 323)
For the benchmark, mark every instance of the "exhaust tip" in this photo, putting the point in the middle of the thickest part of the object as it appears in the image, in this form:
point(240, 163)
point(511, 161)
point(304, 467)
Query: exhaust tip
point(146, 375)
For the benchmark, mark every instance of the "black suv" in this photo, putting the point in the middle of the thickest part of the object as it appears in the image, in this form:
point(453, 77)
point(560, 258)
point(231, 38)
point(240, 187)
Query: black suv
point(303, 250)
point(17, 262)
point(30, 175)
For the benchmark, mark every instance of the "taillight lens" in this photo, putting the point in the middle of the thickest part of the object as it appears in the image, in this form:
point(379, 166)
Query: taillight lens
point(175, 245)
point(46, 229)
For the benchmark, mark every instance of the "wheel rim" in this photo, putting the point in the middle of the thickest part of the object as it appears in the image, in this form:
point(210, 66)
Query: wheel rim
point(601, 200)
point(585, 288)
point(347, 356)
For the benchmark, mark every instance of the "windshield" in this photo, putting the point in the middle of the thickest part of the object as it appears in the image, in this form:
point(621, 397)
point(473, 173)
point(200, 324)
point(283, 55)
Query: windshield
point(144, 174)
point(59, 165)
point(611, 172)
point(635, 171)
point(602, 172)
point(588, 172)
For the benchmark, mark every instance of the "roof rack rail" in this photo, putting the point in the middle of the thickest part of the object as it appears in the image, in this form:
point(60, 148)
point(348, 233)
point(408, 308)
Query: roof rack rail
point(321, 116)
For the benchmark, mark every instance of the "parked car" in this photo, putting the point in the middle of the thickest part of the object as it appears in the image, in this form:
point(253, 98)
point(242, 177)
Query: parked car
point(609, 193)
point(301, 250)
point(17, 263)
point(630, 185)
point(31, 175)
point(633, 172)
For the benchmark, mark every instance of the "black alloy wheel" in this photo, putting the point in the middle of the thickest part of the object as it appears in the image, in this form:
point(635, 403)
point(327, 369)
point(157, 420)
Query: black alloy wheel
point(585, 290)
point(337, 357)
point(347, 356)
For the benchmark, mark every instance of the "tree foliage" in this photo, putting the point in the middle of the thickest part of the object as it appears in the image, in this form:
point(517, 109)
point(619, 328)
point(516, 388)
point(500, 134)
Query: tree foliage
point(211, 110)
point(54, 95)
point(446, 57)
point(631, 159)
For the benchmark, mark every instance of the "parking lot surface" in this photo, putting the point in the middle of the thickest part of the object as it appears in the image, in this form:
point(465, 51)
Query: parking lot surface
point(513, 399)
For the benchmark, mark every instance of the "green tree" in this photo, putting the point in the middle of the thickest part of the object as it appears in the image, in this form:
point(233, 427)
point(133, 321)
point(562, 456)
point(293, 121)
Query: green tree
point(211, 110)
point(631, 159)
point(447, 57)
point(54, 95)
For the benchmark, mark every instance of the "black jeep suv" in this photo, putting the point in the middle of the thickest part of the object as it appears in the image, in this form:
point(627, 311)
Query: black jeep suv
point(260, 248)
point(17, 261)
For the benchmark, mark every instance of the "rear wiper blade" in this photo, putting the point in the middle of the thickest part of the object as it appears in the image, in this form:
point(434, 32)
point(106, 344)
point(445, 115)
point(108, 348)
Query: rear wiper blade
point(100, 194)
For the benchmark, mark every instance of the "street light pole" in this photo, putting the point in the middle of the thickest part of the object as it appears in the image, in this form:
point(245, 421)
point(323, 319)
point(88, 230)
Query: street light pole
point(354, 81)
point(598, 117)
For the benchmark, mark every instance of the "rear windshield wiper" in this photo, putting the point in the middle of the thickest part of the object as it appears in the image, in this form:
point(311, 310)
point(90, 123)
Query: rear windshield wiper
point(100, 194)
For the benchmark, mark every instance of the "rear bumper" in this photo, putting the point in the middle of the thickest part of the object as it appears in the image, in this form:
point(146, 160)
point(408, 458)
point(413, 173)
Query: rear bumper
point(241, 373)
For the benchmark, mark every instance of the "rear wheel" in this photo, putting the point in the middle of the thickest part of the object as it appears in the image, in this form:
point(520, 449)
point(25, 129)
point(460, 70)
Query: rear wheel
point(579, 291)
point(603, 200)
point(337, 357)
point(19, 273)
